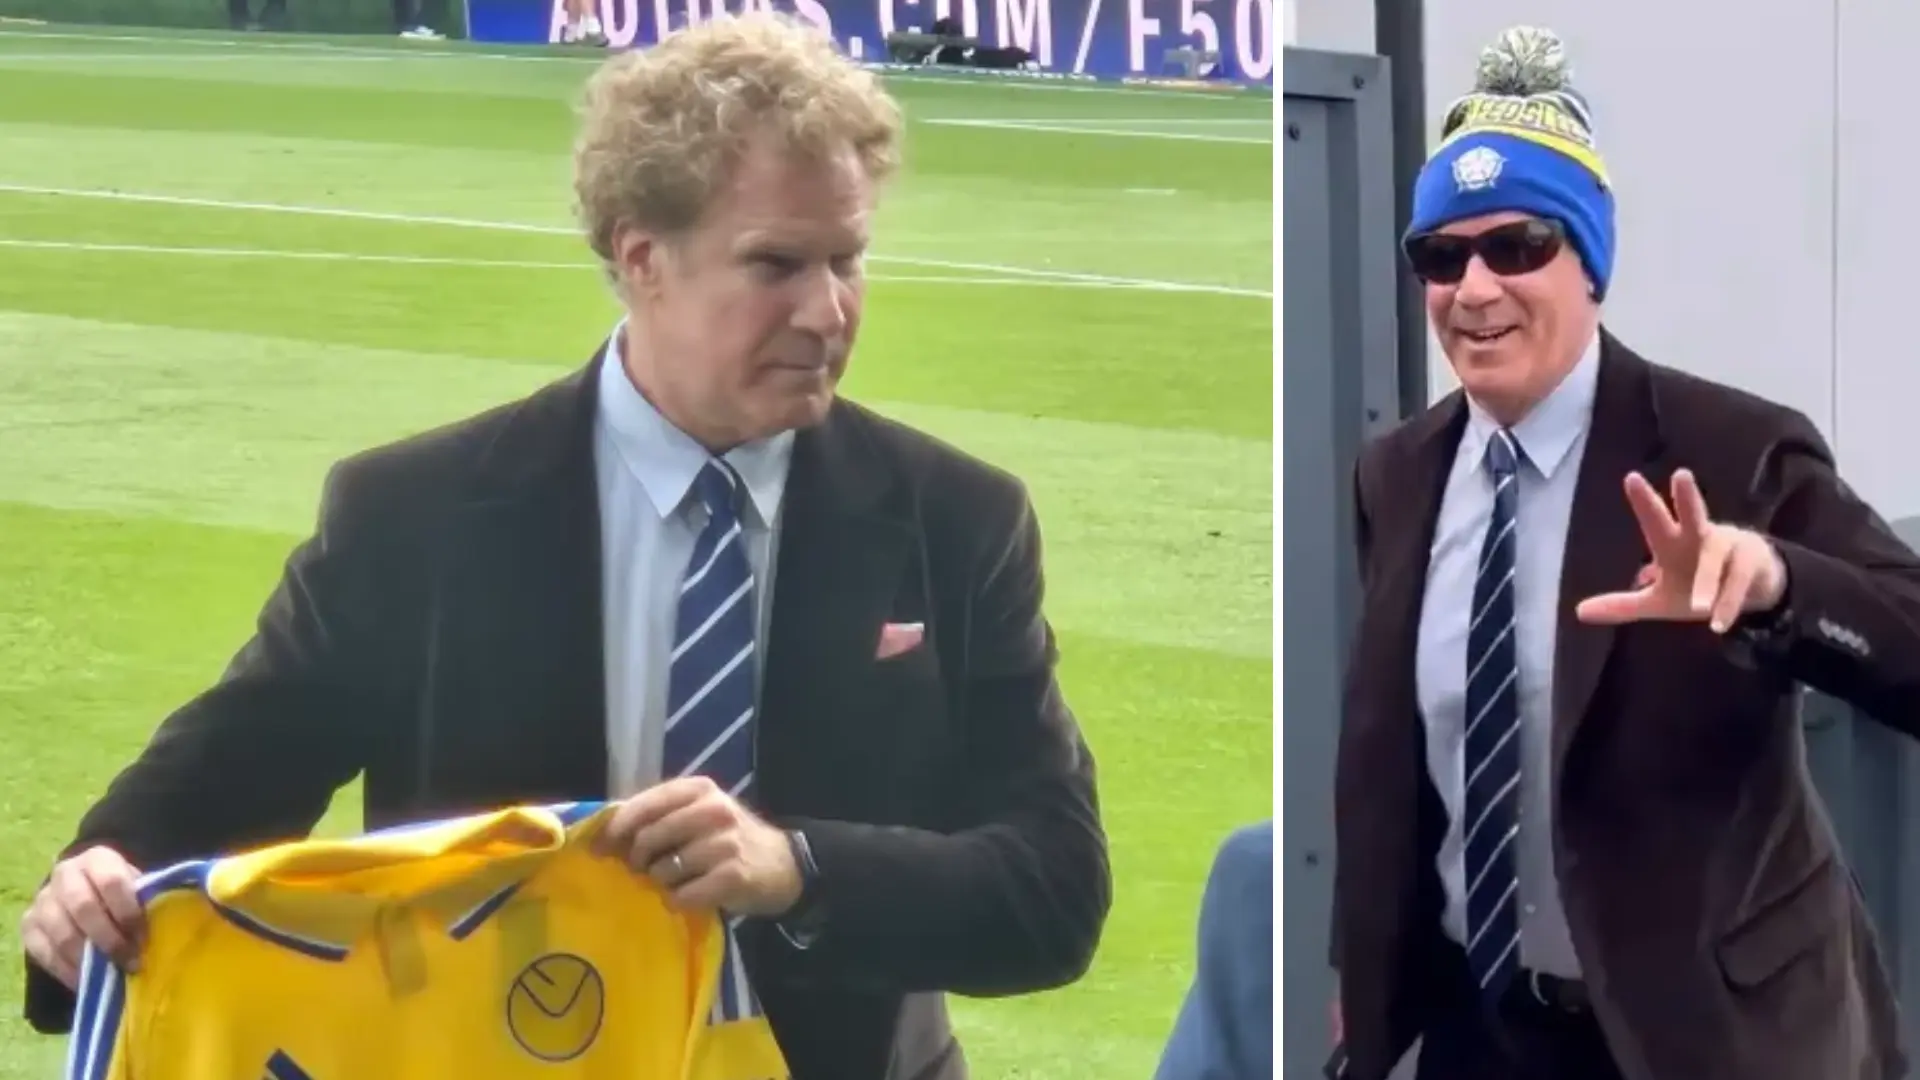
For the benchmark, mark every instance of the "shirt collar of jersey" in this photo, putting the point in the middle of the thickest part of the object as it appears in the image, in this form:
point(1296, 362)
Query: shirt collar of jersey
point(1549, 431)
point(667, 460)
point(321, 896)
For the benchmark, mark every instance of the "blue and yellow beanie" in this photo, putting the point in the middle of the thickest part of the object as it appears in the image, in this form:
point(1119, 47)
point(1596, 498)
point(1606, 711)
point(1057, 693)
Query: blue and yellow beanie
point(1522, 140)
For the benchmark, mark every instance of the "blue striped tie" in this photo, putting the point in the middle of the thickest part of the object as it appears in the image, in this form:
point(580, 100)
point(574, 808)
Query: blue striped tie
point(1493, 739)
point(711, 687)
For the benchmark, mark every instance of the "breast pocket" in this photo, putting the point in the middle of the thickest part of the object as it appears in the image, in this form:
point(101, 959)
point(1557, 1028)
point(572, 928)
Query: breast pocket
point(904, 697)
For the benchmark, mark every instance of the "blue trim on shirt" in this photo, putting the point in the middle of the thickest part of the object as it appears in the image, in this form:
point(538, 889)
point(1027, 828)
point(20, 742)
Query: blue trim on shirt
point(96, 1018)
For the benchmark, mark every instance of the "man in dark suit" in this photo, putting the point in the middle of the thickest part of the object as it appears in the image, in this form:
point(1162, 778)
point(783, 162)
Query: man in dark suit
point(1577, 839)
point(1225, 1027)
point(569, 597)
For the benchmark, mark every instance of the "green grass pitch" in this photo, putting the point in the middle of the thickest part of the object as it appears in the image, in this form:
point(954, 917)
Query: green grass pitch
point(226, 261)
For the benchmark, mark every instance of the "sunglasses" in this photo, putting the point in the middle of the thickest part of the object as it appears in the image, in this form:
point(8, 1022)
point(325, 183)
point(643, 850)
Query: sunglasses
point(1519, 247)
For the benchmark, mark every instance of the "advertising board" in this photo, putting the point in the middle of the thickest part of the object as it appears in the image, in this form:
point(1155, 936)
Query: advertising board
point(1107, 39)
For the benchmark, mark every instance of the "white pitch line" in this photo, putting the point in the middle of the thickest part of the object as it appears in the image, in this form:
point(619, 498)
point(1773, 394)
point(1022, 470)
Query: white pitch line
point(550, 230)
point(407, 52)
point(302, 256)
point(284, 208)
point(7, 57)
point(1248, 121)
point(1064, 129)
point(503, 264)
point(1010, 83)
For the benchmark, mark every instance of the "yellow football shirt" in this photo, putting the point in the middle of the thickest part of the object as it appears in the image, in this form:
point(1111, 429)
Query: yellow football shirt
point(491, 946)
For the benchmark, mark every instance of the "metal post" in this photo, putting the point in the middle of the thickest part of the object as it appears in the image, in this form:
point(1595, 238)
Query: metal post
point(1399, 29)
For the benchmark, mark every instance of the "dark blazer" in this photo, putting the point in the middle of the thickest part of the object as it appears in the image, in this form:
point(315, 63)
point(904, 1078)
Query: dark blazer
point(441, 634)
point(1225, 1027)
point(1721, 935)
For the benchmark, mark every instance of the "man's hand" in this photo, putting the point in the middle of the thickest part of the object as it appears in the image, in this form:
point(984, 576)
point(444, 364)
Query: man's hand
point(707, 850)
point(89, 897)
point(1701, 571)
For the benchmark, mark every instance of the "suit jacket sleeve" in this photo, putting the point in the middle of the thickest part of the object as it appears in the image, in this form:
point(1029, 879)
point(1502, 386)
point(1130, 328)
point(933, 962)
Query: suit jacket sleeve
point(258, 756)
point(1014, 902)
point(1851, 623)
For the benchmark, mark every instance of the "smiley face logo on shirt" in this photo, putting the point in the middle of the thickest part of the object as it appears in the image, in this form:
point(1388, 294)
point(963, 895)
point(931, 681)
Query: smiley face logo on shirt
point(555, 1006)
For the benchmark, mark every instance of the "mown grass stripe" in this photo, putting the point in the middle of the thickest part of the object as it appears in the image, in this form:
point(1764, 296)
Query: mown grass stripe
point(1163, 534)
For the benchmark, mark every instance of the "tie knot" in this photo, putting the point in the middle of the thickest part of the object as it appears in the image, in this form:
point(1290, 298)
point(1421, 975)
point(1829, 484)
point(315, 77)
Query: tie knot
point(719, 489)
point(1503, 455)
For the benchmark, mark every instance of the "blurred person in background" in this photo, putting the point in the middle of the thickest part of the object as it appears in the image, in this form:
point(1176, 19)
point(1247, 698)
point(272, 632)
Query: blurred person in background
point(802, 645)
point(1225, 1027)
point(1577, 839)
point(273, 15)
point(583, 24)
point(408, 21)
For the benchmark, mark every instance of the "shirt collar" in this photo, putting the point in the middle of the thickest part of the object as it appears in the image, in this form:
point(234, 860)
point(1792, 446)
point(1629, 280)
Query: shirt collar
point(667, 460)
point(457, 872)
point(1549, 431)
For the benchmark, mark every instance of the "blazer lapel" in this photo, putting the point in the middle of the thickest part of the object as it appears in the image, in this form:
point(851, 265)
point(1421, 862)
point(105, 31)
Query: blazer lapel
point(1604, 548)
point(1380, 790)
point(1403, 536)
point(1381, 726)
point(518, 605)
point(845, 534)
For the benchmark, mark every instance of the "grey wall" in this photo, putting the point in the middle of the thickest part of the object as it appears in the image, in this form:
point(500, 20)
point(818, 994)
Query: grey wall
point(1340, 386)
point(1332, 25)
point(1765, 233)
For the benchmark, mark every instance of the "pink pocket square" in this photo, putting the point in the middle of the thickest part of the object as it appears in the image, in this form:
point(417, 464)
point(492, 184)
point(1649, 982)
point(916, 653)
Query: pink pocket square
point(899, 637)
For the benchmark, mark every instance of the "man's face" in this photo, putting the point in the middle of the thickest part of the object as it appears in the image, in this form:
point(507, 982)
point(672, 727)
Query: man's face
point(1512, 329)
point(743, 324)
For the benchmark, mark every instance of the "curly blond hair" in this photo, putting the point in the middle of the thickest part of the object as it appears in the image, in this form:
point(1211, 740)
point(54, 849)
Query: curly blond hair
point(661, 127)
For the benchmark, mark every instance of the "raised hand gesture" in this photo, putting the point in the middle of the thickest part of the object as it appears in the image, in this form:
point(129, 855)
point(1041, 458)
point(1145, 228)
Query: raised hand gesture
point(1701, 571)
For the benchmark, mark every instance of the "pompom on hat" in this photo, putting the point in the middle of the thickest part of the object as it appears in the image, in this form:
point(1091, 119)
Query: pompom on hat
point(1522, 140)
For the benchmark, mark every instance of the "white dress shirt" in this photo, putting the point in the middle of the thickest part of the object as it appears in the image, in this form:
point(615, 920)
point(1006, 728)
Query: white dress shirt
point(1552, 441)
point(649, 520)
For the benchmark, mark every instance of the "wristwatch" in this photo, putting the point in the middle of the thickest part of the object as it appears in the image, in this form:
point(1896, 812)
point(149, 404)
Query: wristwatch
point(802, 922)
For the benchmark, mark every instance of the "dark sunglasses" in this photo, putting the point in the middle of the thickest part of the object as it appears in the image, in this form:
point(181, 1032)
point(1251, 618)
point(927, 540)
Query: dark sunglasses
point(1519, 247)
